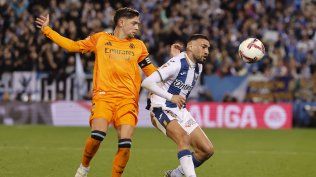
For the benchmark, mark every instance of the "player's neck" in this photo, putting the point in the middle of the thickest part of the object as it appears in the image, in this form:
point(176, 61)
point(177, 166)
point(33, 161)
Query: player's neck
point(119, 34)
point(190, 57)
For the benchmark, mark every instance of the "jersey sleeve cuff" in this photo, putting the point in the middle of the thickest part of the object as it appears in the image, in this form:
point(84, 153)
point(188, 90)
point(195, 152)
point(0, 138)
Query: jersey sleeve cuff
point(46, 30)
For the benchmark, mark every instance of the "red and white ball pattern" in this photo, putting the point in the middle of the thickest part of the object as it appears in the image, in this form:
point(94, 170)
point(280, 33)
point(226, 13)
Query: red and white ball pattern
point(251, 50)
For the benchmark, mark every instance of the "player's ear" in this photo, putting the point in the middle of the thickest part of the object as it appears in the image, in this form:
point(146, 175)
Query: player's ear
point(120, 22)
point(189, 46)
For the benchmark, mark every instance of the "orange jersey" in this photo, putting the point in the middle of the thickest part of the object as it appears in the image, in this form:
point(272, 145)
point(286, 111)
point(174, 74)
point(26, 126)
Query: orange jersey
point(116, 69)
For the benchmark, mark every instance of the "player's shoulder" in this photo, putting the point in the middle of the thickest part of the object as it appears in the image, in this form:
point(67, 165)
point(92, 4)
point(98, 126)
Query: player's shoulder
point(134, 41)
point(101, 33)
point(106, 34)
point(96, 35)
point(110, 35)
point(137, 41)
point(175, 62)
point(178, 58)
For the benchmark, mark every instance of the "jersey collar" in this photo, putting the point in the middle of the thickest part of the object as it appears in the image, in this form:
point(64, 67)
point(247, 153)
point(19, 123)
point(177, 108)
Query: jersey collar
point(190, 62)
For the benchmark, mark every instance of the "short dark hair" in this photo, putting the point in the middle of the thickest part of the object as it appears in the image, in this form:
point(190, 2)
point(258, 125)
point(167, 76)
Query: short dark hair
point(197, 36)
point(126, 12)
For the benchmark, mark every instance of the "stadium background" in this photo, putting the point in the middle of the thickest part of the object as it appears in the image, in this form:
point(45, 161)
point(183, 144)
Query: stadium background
point(42, 85)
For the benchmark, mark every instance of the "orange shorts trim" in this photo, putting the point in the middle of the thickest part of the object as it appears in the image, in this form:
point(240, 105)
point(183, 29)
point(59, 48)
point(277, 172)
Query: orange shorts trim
point(116, 111)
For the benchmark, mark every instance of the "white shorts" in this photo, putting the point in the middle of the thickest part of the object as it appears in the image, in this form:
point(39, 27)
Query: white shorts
point(162, 116)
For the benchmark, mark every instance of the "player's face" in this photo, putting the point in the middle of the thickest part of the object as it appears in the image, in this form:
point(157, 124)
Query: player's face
point(131, 26)
point(200, 50)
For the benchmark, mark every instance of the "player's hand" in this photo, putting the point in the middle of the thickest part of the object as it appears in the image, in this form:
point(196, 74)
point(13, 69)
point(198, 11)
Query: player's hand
point(179, 100)
point(42, 21)
point(175, 49)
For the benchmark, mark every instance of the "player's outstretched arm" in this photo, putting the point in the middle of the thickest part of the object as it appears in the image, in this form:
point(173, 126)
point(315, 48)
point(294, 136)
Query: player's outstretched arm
point(151, 84)
point(42, 22)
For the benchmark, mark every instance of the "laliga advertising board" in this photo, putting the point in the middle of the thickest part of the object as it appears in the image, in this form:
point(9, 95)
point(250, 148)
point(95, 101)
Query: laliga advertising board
point(208, 115)
point(243, 115)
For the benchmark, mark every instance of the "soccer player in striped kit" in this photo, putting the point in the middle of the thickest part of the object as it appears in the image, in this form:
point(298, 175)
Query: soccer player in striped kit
point(170, 85)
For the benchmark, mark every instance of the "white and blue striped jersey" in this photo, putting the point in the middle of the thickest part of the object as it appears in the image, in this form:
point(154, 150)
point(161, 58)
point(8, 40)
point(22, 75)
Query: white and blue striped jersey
point(178, 76)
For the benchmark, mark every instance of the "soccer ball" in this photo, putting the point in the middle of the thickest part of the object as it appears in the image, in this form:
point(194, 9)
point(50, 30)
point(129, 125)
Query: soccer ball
point(251, 50)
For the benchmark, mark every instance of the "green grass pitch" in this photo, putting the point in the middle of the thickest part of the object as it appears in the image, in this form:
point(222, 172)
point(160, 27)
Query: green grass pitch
point(45, 151)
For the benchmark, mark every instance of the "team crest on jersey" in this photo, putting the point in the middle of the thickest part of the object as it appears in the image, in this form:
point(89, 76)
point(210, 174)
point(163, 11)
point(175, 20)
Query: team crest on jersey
point(131, 45)
point(189, 123)
point(108, 43)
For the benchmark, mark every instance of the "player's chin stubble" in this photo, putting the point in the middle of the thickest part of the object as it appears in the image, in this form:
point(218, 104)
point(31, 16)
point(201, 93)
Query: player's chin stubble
point(130, 36)
point(201, 60)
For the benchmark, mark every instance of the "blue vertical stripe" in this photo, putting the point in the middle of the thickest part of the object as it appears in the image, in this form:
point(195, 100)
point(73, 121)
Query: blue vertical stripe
point(182, 76)
point(196, 73)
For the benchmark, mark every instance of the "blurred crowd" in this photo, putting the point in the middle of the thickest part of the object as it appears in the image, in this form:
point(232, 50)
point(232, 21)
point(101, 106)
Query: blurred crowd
point(286, 27)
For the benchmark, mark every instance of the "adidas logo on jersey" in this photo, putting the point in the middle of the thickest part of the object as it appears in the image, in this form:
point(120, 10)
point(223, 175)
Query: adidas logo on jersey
point(108, 43)
point(179, 84)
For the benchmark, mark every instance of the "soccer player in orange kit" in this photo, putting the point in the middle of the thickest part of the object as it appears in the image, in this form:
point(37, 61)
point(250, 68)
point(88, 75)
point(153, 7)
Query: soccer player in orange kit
point(116, 82)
